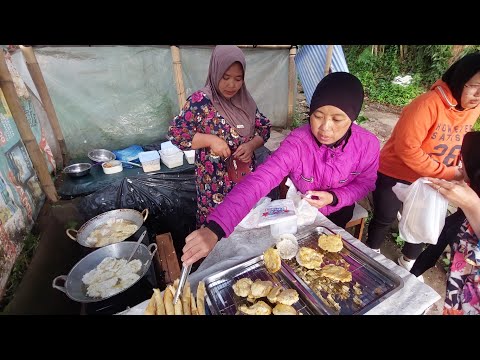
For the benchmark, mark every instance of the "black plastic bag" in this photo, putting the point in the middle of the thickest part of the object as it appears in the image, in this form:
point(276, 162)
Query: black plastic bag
point(170, 199)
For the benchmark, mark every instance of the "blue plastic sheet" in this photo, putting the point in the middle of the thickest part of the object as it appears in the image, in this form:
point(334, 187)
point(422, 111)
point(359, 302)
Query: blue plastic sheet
point(129, 154)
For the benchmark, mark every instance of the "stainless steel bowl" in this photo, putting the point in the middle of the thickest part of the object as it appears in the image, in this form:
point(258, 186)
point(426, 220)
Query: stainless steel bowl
point(78, 170)
point(101, 155)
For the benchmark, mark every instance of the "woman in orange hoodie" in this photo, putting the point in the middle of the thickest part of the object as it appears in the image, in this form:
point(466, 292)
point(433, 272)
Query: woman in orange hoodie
point(426, 141)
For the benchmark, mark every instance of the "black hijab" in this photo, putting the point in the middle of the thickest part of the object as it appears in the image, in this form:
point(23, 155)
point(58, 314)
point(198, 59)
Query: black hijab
point(459, 73)
point(342, 90)
point(471, 158)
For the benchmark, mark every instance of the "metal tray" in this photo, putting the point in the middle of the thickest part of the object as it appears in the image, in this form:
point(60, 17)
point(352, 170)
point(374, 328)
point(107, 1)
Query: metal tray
point(222, 300)
point(376, 281)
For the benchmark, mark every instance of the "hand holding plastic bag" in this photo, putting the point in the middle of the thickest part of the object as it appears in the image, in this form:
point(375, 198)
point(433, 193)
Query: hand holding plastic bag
point(423, 215)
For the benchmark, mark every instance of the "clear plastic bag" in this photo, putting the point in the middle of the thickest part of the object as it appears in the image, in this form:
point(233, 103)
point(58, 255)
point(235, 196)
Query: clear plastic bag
point(253, 217)
point(423, 215)
point(278, 211)
point(306, 213)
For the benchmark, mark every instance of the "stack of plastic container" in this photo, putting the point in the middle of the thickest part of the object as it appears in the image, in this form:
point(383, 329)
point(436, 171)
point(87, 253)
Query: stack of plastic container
point(172, 157)
point(150, 160)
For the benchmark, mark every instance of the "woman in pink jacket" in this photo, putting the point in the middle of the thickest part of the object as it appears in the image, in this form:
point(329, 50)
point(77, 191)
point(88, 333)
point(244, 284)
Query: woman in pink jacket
point(331, 159)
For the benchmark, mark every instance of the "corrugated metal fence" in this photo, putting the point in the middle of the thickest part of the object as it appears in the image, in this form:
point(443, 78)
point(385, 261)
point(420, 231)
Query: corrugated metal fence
point(310, 64)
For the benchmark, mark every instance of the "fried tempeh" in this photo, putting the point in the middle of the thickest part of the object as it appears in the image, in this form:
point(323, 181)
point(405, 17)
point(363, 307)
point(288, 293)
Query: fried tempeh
point(178, 307)
point(160, 306)
point(186, 299)
point(168, 300)
point(151, 306)
point(194, 306)
point(201, 298)
point(175, 284)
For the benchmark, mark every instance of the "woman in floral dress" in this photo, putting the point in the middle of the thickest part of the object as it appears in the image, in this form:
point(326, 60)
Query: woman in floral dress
point(220, 121)
point(463, 284)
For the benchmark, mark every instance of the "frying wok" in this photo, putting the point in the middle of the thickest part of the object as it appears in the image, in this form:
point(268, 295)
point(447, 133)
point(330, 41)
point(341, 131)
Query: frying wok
point(76, 290)
point(86, 229)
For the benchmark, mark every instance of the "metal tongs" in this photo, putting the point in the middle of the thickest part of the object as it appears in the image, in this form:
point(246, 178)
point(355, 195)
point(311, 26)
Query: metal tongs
point(181, 283)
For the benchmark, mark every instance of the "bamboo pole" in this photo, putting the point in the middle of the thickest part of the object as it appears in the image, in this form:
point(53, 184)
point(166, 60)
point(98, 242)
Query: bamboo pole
point(18, 114)
point(291, 85)
point(328, 60)
point(41, 86)
point(177, 75)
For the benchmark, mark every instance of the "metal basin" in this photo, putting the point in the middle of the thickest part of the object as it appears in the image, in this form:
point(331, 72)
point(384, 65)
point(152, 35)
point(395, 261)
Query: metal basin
point(76, 290)
point(77, 170)
point(101, 155)
point(86, 229)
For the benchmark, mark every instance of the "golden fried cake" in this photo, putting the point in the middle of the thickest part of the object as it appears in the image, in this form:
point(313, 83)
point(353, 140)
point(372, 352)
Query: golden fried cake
point(309, 258)
point(272, 260)
point(336, 273)
point(259, 308)
point(242, 287)
point(330, 243)
point(260, 288)
point(288, 297)
point(282, 309)
point(272, 295)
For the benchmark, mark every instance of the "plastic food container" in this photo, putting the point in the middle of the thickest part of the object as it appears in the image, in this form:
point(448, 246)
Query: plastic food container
point(190, 156)
point(167, 145)
point(112, 167)
point(150, 160)
point(172, 157)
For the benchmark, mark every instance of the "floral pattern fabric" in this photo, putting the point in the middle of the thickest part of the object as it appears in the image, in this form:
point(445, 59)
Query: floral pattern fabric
point(463, 285)
point(212, 182)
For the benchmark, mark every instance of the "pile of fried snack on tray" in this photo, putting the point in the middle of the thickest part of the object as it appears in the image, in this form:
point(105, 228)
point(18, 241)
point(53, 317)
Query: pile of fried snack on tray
point(187, 304)
point(263, 297)
point(280, 300)
point(323, 269)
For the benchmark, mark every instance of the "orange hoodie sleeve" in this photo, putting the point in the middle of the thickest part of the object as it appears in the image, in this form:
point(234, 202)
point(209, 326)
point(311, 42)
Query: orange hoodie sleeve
point(413, 144)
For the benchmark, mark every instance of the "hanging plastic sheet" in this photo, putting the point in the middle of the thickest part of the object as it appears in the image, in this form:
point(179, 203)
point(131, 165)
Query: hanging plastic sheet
point(114, 96)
